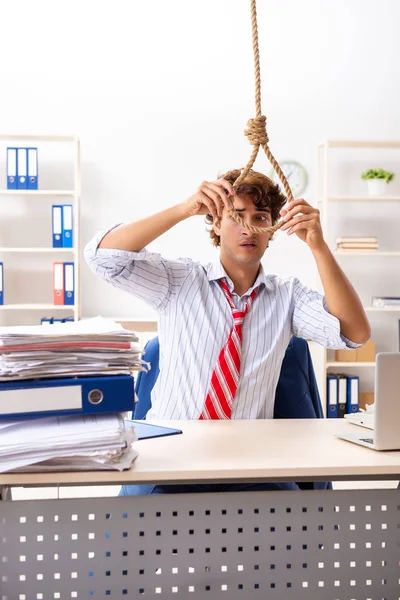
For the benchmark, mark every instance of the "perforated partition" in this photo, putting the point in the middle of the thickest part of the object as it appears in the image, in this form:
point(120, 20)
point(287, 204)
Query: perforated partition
point(340, 545)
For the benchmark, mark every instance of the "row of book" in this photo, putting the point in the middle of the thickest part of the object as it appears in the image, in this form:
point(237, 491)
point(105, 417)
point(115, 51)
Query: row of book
point(63, 283)
point(357, 243)
point(343, 395)
point(22, 168)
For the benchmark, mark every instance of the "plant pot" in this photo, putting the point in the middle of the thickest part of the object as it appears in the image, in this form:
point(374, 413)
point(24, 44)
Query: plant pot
point(376, 187)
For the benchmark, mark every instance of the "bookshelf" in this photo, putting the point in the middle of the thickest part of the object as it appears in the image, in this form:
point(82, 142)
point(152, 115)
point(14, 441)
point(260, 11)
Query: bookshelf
point(345, 208)
point(27, 217)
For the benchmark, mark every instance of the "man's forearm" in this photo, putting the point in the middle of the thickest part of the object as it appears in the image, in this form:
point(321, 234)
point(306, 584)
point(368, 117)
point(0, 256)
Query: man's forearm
point(135, 236)
point(342, 299)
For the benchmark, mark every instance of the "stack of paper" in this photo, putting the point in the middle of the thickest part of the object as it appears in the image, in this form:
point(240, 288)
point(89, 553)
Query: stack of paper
point(71, 443)
point(90, 347)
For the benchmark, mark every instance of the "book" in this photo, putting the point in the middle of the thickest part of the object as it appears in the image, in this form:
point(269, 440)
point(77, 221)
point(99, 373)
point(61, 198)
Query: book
point(385, 301)
point(367, 240)
point(354, 246)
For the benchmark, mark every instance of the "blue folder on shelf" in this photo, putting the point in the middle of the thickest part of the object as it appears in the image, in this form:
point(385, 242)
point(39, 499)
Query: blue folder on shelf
point(332, 397)
point(353, 392)
point(22, 169)
point(69, 283)
point(11, 168)
point(147, 430)
point(67, 238)
point(80, 395)
point(32, 168)
point(57, 227)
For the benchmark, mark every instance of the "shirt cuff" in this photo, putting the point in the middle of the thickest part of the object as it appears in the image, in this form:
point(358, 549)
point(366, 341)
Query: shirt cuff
point(340, 341)
point(349, 343)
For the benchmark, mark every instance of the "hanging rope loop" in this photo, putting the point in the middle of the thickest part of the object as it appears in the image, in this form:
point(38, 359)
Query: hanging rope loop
point(256, 131)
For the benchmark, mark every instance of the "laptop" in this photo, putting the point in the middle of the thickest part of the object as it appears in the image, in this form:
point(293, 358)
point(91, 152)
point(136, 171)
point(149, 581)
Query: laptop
point(385, 434)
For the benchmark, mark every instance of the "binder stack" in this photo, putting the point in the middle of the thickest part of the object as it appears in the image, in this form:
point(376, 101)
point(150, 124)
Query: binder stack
point(342, 397)
point(22, 169)
point(62, 220)
point(63, 283)
point(82, 369)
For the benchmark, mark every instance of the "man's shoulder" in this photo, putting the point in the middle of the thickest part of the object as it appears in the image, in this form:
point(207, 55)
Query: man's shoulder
point(194, 269)
point(275, 282)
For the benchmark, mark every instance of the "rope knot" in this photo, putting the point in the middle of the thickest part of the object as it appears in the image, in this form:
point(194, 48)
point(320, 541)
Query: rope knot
point(256, 131)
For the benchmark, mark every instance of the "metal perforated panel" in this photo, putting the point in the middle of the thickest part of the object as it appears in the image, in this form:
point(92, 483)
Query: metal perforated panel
point(341, 545)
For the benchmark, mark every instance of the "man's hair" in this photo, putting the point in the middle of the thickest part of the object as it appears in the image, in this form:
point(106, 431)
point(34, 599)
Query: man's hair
point(263, 191)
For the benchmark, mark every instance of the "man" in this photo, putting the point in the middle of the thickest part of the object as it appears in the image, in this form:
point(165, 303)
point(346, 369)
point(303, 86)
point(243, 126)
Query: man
point(224, 327)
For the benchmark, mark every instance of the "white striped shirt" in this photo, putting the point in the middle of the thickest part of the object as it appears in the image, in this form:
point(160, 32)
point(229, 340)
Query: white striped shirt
point(195, 320)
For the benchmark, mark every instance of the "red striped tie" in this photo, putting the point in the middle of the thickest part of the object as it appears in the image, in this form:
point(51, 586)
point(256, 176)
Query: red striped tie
point(225, 378)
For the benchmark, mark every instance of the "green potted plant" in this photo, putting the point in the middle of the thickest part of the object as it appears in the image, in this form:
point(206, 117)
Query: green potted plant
point(377, 180)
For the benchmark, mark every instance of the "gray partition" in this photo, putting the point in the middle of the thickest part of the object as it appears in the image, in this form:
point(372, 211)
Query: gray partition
point(330, 545)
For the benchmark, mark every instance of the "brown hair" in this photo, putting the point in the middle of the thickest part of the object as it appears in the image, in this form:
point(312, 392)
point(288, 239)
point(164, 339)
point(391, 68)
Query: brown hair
point(264, 192)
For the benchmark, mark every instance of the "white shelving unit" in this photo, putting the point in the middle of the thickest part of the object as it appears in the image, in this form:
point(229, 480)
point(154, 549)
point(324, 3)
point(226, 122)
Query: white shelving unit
point(72, 196)
point(323, 362)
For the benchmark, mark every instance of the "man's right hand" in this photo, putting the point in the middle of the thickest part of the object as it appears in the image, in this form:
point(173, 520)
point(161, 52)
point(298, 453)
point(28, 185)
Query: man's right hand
point(210, 198)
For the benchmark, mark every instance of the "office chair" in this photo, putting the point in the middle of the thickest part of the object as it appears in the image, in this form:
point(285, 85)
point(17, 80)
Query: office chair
point(296, 397)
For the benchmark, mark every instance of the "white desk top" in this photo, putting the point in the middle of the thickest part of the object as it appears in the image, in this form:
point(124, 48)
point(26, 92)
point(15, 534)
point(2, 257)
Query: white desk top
point(257, 450)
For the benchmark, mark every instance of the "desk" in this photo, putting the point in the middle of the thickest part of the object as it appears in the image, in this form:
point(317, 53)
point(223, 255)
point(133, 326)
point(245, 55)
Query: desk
point(311, 544)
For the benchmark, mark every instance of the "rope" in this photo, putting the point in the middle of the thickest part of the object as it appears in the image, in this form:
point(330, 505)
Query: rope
point(256, 133)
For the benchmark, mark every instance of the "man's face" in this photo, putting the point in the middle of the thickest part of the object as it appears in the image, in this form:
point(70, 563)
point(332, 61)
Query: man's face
point(237, 243)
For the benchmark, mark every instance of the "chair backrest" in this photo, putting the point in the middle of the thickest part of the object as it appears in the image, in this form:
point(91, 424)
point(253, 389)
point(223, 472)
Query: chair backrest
point(145, 381)
point(296, 394)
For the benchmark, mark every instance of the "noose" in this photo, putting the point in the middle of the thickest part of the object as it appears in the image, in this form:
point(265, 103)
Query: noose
point(256, 133)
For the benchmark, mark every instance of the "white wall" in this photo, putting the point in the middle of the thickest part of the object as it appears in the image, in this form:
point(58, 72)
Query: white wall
point(159, 93)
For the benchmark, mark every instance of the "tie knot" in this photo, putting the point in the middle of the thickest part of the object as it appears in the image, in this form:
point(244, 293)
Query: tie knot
point(238, 316)
point(256, 131)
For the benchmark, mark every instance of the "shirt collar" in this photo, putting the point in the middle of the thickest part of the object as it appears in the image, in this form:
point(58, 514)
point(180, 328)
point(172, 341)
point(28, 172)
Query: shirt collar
point(216, 271)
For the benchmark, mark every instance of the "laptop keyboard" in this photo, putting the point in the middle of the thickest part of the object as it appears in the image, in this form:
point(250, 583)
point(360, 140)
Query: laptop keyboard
point(368, 440)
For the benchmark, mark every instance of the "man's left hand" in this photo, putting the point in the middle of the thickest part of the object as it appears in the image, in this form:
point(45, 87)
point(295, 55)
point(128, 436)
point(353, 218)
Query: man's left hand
point(304, 220)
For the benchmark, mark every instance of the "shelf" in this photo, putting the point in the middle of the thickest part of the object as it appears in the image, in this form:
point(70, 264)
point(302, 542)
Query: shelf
point(17, 137)
point(365, 253)
point(361, 199)
point(359, 144)
point(376, 309)
point(36, 307)
point(37, 193)
point(39, 250)
point(336, 364)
